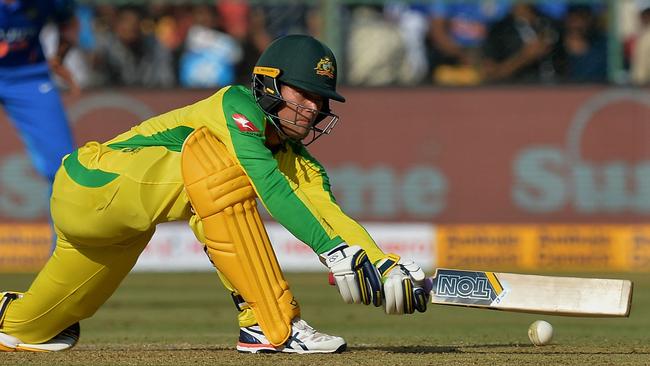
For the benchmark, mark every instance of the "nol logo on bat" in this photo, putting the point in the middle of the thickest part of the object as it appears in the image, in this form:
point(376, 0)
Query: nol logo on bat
point(467, 285)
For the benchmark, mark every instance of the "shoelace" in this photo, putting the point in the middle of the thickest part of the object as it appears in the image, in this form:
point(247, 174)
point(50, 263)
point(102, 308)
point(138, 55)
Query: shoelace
point(308, 331)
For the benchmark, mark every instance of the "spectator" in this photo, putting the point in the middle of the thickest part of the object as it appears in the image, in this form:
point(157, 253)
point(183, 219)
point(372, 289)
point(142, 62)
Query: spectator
point(127, 56)
point(556, 9)
point(165, 25)
point(457, 32)
point(412, 22)
point(376, 50)
point(237, 20)
point(640, 64)
point(521, 48)
point(585, 46)
point(235, 17)
point(264, 23)
point(628, 25)
point(210, 55)
point(104, 16)
point(74, 59)
point(294, 17)
point(86, 18)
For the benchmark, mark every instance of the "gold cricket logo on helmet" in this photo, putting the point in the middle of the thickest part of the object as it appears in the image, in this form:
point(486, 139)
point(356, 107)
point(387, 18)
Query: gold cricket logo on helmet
point(325, 67)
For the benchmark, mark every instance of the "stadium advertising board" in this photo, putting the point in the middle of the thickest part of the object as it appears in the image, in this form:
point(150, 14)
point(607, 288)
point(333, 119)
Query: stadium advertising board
point(511, 157)
point(548, 247)
point(174, 247)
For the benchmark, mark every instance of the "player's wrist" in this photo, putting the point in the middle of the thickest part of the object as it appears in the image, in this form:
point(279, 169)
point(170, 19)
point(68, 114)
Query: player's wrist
point(387, 264)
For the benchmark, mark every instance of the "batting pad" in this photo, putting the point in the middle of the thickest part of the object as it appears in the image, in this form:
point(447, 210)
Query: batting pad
point(237, 242)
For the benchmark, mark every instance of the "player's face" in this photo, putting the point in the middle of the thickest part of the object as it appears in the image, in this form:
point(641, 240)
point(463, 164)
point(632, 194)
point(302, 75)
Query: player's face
point(301, 108)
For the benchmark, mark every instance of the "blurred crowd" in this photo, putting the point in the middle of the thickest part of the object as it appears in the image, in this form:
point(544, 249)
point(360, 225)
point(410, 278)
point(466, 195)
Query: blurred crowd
point(441, 42)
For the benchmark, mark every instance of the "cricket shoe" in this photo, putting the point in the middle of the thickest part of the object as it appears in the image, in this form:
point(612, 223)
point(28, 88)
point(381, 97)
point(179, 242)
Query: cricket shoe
point(67, 339)
point(303, 339)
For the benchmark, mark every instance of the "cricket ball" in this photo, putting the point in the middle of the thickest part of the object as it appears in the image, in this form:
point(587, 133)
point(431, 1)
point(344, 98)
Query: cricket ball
point(540, 332)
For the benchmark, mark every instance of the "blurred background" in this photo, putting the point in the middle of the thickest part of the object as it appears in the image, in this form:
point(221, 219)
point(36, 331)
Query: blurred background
point(497, 134)
point(204, 43)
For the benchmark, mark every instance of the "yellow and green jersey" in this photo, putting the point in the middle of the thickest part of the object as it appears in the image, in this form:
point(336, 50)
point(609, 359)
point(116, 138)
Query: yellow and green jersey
point(292, 184)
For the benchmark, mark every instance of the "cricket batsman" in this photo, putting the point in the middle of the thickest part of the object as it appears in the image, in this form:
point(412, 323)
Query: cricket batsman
point(208, 163)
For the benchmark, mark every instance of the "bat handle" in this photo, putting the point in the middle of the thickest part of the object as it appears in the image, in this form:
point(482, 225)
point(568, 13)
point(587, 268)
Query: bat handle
point(330, 279)
point(428, 284)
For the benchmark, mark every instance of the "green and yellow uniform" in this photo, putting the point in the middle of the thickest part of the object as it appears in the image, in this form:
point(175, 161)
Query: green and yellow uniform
point(108, 198)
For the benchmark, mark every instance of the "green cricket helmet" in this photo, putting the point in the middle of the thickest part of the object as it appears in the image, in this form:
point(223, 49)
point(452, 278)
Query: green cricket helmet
point(302, 62)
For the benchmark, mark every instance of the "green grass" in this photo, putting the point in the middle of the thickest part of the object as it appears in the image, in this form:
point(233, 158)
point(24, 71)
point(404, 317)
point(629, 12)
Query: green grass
point(188, 319)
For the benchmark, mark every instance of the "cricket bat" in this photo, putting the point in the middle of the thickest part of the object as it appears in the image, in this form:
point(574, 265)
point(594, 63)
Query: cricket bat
point(568, 296)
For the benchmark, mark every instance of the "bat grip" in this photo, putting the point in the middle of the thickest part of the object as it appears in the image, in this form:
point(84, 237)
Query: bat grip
point(428, 284)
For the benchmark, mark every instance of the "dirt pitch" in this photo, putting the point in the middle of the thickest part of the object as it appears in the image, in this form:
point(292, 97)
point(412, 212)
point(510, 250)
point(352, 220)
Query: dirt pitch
point(187, 319)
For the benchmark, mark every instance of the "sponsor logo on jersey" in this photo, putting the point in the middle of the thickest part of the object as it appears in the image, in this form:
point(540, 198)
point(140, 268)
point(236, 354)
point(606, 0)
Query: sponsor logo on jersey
point(325, 67)
point(243, 123)
point(45, 88)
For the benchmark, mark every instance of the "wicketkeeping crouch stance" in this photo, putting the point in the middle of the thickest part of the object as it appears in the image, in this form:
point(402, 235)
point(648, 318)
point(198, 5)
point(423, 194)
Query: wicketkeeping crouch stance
point(208, 163)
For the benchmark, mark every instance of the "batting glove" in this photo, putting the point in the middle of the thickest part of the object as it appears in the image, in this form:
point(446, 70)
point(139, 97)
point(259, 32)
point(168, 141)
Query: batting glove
point(357, 280)
point(403, 285)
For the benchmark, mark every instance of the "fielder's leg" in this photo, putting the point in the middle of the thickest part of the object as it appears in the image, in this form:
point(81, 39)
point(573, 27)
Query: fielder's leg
point(35, 107)
point(44, 129)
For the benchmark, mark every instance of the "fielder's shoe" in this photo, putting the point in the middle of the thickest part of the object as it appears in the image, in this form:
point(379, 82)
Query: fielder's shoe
point(303, 339)
point(67, 339)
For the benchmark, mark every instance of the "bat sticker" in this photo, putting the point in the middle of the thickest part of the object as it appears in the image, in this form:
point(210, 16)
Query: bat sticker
point(468, 287)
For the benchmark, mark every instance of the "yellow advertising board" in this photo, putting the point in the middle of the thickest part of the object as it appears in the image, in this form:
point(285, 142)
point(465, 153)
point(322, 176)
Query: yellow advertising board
point(24, 247)
point(534, 247)
point(544, 247)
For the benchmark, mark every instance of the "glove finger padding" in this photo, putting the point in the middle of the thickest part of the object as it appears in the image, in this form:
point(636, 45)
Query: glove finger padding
point(357, 279)
point(394, 296)
point(421, 298)
point(403, 286)
point(368, 279)
point(347, 288)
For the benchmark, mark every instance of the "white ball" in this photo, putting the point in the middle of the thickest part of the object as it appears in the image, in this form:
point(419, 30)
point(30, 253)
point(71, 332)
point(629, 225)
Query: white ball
point(540, 332)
